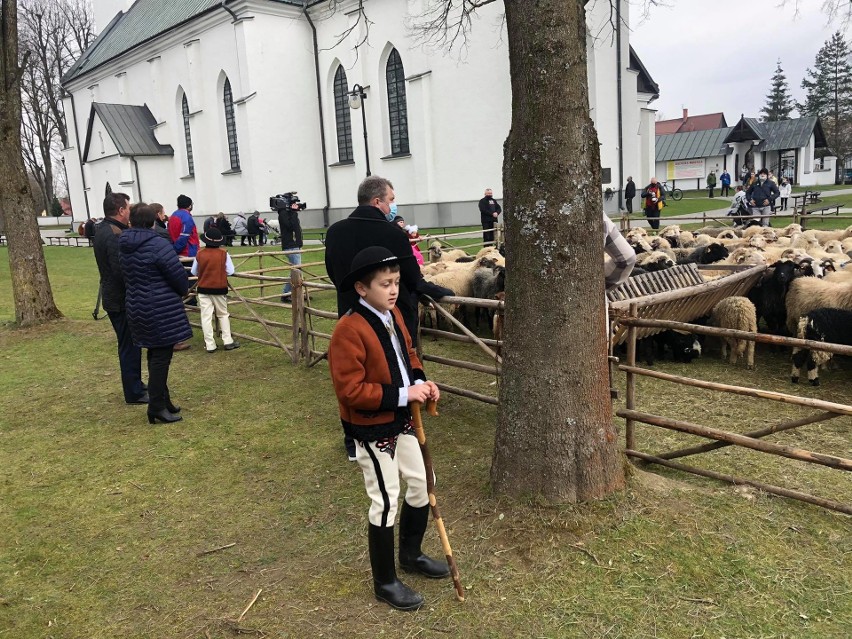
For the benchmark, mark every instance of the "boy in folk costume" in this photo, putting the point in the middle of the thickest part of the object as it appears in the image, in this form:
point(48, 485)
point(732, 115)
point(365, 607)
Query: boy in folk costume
point(213, 265)
point(376, 373)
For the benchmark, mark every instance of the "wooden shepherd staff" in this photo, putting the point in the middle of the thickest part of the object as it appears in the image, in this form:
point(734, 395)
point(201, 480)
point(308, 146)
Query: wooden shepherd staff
point(432, 409)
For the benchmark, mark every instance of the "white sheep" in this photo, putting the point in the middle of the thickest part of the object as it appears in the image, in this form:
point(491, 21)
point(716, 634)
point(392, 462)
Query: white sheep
point(440, 254)
point(736, 313)
point(807, 294)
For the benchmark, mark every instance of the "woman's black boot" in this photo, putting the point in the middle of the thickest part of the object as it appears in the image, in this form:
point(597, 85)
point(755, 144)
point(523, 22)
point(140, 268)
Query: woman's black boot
point(163, 416)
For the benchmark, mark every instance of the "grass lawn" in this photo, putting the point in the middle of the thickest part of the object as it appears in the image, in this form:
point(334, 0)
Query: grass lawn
point(104, 518)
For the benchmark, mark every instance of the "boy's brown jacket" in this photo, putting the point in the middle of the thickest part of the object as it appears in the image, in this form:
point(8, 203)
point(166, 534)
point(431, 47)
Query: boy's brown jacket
point(366, 376)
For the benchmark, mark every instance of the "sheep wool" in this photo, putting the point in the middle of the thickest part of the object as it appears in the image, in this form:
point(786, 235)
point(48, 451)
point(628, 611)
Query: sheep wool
point(807, 294)
point(736, 313)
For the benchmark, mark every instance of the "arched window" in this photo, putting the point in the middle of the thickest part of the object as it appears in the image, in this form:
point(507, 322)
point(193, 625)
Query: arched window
point(231, 126)
point(342, 116)
point(107, 190)
point(397, 108)
point(190, 162)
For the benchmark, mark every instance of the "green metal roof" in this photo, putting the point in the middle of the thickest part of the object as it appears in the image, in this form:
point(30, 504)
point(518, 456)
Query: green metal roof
point(145, 20)
point(692, 144)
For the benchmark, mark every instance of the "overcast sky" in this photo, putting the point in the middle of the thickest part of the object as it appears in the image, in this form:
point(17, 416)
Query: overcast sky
point(707, 56)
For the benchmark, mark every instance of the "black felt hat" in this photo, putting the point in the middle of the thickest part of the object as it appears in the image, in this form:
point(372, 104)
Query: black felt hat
point(366, 261)
point(213, 237)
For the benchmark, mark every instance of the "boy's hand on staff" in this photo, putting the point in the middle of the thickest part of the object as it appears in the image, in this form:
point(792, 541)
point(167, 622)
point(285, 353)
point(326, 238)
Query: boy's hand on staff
point(434, 391)
point(419, 393)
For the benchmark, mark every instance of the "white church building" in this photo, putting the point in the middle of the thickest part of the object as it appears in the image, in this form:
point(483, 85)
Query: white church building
point(233, 101)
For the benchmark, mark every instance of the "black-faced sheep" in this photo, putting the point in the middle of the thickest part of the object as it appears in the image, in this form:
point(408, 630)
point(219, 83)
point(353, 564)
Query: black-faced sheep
point(832, 325)
point(769, 296)
point(487, 282)
point(736, 313)
point(807, 294)
point(684, 347)
point(708, 254)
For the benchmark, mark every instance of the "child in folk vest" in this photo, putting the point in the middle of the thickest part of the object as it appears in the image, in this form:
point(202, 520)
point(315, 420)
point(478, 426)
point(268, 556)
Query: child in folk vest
point(376, 373)
point(213, 265)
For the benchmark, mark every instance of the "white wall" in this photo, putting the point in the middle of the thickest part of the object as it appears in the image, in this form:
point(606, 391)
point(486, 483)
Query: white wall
point(459, 111)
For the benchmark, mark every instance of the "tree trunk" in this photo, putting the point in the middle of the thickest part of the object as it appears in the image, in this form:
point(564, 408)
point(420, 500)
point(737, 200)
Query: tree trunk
point(555, 434)
point(30, 285)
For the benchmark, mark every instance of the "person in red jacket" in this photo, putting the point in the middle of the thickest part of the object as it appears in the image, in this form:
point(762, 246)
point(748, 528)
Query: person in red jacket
point(376, 373)
point(182, 228)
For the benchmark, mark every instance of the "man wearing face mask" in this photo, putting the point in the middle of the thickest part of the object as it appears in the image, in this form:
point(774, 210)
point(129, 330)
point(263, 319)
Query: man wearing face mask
point(760, 196)
point(369, 225)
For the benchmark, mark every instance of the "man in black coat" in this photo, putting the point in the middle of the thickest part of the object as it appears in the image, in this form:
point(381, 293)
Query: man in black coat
point(117, 212)
point(489, 209)
point(291, 240)
point(369, 225)
point(629, 194)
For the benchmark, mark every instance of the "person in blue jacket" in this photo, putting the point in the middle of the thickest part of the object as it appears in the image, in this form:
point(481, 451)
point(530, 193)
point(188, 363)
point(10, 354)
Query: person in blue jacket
point(156, 282)
point(725, 181)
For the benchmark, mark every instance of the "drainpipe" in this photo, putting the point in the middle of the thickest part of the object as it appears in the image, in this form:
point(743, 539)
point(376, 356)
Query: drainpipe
point(138, 181)
point(80, 158)
point(620, 105)
point(325, 218)
point(224, 5)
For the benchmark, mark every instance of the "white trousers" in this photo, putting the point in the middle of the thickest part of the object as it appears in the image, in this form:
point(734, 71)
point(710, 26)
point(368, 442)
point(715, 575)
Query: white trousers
point(208, 305)
point(382, 466)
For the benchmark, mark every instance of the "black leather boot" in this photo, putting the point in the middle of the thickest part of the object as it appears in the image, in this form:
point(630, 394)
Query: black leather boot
point(385, 584)
point(412, 526)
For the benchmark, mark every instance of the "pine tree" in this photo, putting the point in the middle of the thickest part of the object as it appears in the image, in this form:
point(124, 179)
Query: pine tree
point(779, 102)
point(828, 89)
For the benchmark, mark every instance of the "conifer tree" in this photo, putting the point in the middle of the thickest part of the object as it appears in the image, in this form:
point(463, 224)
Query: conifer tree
point(828, 87)
point(779, 102)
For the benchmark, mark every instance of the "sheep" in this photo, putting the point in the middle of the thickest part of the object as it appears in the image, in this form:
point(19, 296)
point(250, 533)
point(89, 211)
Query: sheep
point(637, 232)
point(676, 237)
point(831, 325)
point(439, 254)
point(736, 313)
point(768, 296)
point(659, 243)
point(807, 294)
point(826, 236)
point(701, 254)
point(655, 261)
point(487, 282)
point(639, 244)
point(833, 246)
point(712, 231)
point(459, 278)
point(790, 230)
point(846, 245)
point(702, 239)
point(684, 347)
point(766, 232)
point(729, 234)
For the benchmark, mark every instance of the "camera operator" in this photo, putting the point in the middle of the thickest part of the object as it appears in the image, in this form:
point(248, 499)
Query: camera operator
point(288, 206)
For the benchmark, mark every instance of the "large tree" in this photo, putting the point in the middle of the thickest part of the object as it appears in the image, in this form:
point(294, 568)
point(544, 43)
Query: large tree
point(555, 434)
point(779, 102)
point(30, 285)
point(828, 87)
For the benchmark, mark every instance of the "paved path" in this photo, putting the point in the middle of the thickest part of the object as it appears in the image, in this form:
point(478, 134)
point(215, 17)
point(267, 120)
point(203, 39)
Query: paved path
point(638, 219)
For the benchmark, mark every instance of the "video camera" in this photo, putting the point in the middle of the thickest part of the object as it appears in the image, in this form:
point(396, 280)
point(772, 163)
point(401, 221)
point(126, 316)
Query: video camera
point(286, 201)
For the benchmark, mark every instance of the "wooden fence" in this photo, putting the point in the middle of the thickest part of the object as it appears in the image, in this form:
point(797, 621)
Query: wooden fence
point(751, 440)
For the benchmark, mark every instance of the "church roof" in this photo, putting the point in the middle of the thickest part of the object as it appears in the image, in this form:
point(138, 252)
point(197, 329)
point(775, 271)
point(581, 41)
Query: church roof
point(692, 144)
point(644, 82)
point(129, 127)
point(142, 22)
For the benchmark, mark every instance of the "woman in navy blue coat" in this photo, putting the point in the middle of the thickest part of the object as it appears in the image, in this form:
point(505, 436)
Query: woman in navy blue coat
point(156, 283)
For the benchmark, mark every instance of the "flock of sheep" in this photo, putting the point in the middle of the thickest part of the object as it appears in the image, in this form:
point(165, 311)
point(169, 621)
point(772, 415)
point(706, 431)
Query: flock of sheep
point(807, 292)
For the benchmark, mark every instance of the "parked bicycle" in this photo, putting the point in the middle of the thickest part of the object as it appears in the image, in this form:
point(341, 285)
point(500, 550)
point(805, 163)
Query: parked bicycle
point(676, 194)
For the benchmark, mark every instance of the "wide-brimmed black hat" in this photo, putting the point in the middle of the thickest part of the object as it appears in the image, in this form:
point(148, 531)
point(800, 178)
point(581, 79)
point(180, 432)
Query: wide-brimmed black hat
point(213, 237)
point(367, 260)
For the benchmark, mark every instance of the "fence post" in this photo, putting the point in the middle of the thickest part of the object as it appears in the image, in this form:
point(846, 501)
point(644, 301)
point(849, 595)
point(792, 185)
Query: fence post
point(297, 304)
point(262, 283)
point(630, 400)
point(498, 235)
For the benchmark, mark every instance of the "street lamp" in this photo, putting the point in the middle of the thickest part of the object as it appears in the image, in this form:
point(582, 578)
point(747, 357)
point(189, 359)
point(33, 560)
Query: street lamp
point(356, 99)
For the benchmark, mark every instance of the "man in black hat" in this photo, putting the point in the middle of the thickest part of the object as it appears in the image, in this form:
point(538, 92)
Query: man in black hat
point(369, 225)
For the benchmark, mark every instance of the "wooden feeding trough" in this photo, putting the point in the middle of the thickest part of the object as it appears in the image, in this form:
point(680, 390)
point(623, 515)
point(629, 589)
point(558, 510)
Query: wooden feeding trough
point(681, 294)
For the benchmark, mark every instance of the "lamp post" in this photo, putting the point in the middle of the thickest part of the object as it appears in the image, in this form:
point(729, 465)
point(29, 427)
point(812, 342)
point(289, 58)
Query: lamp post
point(356, 99)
